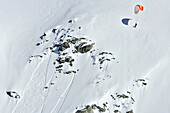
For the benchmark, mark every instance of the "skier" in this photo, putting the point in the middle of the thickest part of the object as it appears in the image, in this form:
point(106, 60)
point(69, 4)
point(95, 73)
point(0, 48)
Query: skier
point(135, 25)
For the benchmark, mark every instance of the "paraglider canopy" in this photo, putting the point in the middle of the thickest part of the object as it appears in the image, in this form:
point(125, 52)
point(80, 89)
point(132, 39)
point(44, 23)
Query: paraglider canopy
point(138, 8)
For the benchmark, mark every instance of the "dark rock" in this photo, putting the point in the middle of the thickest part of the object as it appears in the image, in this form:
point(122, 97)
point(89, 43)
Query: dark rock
point(131, 111)
point(44, 34)
point(30, 61)
point(63, 29)
point(100, 59)
point(101, 109)
point(17, 96)
point(71, 64)
point(128, 92)
point(116, 111)
point(141, 80)
point(55, 45)
point(75, 51)
point(113, 58)
point(64, 53)
point(60, 60)
point(113, 97)
point(74, 71)
point(46, 87)
point(86, 48)
point(68, 40)
point(54, 63)
point(37, 44)
point(59, 70)
point(54, 30)
point(122, 96)
point(132, 99)
point(117, 105)
point(102, 53)
point(145, 84)
point(110, 53)
point(68, 72)
point(64, 46)
point(67, 59)
point(40, 56)
point(78, 111)
point(74, 40)
point(79, 46)
point(46, 40)
point(68, 30)
point(13, 94)
point(60, 66)
point(87, 109)
point(102, 62)
point(70, 21)
point(104, 105)
point(82, 38)
point(61, 37)
point(41, 37)
point(93, 106)
point(108, 59)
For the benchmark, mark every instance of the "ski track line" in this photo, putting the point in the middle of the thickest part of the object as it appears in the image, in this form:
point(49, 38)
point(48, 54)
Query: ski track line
point(47, 67)
point(68, 88)
point(59, 27)
point(45, 82)
point(47, 93)
point(27, 85)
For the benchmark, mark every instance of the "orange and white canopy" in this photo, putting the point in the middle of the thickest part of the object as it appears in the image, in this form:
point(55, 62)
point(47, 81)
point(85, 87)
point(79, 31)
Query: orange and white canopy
point(138, 8)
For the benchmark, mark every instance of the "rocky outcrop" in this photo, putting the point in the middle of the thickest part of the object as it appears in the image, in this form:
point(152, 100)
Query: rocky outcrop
point(90, 109)
point(13, 94)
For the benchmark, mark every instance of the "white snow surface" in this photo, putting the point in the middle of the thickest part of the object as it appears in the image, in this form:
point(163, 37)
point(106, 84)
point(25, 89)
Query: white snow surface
point(142, 56)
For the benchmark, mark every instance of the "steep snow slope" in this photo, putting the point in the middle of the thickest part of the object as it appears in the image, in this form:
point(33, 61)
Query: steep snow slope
point(125, 68)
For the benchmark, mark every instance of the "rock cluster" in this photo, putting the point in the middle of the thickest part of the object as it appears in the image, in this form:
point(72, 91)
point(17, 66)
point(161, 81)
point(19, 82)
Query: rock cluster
point(13, 94)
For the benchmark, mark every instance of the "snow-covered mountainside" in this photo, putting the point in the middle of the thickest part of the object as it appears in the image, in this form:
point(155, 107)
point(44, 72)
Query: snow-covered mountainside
point(78, 56)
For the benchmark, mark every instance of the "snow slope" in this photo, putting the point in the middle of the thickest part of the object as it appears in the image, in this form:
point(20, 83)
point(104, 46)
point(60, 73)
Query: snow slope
point(125, 68)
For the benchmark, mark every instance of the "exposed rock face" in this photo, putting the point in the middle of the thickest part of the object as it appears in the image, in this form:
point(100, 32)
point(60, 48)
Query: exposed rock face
point(89, 109)
point(68, 48)
point(74, 40)
point(79, 46)
point(64, 46)
point(13, 94)
point(64, 49)
point(122, 96)
point(86, 48)
point(131, 111)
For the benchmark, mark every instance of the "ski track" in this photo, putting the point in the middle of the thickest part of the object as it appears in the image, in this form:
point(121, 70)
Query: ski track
point(47, 83)
point(47, 93)
point(27, 85)
point(57, 34)
point(47, 67)
point(68, 88)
